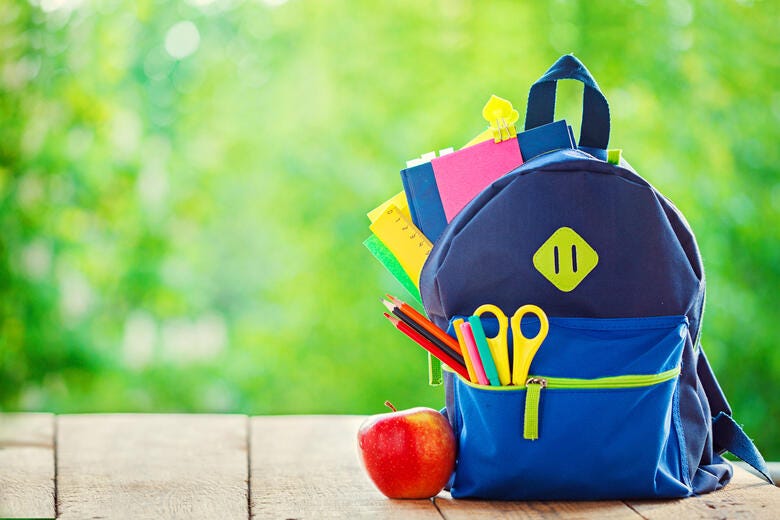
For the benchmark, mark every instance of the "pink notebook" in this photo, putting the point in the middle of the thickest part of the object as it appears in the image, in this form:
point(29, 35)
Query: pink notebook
point(461, 175)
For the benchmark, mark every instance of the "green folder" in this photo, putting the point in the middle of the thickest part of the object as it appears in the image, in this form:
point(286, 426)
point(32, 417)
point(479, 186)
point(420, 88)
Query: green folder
point(387, 259)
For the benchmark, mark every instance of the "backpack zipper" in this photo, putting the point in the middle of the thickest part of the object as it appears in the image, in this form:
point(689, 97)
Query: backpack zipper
point(535, 384)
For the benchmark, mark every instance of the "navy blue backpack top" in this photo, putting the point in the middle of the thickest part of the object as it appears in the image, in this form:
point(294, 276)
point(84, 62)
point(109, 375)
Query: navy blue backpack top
point(630, 407)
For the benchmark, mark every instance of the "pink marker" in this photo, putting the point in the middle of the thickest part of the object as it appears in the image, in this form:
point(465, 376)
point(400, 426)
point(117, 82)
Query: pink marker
point(471, 345)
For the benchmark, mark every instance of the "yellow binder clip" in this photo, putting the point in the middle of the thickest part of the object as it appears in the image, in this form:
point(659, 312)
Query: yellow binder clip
point(502, 117)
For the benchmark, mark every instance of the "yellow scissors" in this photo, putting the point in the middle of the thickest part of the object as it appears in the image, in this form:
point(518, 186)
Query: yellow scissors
point(524, 349)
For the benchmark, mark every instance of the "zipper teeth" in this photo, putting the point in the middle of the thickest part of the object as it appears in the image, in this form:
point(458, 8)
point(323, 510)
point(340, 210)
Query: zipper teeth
point(628, 381)
point(614, 382)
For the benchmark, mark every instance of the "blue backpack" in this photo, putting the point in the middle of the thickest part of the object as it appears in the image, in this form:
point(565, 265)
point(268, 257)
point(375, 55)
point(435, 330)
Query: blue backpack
point(630, 407)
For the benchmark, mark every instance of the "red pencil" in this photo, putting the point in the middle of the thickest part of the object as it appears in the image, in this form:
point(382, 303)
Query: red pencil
point(427, 345)
point(426, 323)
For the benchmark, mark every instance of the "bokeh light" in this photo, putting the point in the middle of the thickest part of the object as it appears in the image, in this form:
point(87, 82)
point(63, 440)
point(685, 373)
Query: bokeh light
point(183, 185)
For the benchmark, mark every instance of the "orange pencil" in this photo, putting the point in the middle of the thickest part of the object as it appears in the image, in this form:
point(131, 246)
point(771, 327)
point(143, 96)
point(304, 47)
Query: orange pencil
point(426, 324)
point(464, 348)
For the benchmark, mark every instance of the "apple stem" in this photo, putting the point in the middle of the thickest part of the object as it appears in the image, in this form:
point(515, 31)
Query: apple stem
point(390, 405)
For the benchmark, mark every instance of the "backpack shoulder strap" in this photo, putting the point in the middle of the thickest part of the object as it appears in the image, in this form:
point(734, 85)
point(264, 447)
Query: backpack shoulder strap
point(727, 435)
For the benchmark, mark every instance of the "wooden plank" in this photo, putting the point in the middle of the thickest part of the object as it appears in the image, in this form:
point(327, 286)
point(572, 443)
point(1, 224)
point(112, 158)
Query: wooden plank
point(308, 467)
point(468, 509)
point(27, 465)
point(152, 466)
point(746, 496)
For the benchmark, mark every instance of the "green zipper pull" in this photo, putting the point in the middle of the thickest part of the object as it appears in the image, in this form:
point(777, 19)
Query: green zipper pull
point(434, 371)
point(533, 394)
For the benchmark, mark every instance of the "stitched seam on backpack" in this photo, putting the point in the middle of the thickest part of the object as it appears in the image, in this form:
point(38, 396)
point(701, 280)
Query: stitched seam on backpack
point(686, 472)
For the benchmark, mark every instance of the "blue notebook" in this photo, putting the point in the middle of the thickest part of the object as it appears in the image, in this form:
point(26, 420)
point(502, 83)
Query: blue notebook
point(545, 138)
point(424, 200)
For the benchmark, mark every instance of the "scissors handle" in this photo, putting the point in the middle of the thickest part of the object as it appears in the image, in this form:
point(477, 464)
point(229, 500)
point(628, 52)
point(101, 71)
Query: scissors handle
point(499, 344)
point(524, 349)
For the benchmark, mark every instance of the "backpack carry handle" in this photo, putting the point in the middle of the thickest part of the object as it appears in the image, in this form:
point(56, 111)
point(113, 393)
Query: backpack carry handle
point(594, 132)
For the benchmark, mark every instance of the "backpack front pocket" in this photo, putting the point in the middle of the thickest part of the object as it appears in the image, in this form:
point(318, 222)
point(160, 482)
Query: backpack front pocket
point(611, 429)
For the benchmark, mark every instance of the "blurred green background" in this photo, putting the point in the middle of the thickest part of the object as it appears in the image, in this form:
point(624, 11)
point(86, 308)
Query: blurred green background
point(183, 185)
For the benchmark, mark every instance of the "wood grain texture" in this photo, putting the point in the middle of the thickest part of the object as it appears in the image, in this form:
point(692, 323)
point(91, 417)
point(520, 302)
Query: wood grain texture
point(197, 466)
point(27, 465)
point(469, 509)
point(308, 467)
point(746, 496)
point(152, 466)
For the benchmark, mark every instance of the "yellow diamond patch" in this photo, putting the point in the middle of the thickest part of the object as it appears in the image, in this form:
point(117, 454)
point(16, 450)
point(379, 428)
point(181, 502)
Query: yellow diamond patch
point(565, 259)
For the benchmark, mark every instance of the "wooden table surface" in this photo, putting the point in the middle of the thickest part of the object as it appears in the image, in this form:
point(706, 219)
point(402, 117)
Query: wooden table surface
point(233, 466)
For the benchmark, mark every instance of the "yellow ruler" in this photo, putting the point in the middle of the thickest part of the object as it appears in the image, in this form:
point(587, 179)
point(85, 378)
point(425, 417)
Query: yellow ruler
point(403, 239)
point(399, 200)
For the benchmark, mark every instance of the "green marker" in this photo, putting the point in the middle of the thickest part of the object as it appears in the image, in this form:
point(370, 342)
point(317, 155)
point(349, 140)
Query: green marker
point(484, 350)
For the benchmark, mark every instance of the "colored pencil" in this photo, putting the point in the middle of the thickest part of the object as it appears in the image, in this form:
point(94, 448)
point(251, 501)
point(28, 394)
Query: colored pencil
point(422, 331)
point(428, 345)
point(471, 345)
point(464, 348)
point(426, 323)
point(484, 350)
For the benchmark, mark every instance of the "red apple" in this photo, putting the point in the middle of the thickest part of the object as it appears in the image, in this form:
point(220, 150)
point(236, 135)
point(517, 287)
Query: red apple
point(408, 454)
